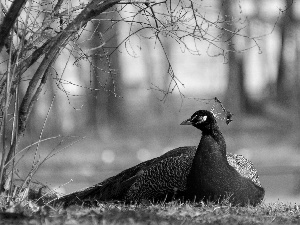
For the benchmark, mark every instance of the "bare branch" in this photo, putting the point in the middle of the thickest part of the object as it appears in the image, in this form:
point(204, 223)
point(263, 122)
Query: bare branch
point(9, 20)
point(53, 48)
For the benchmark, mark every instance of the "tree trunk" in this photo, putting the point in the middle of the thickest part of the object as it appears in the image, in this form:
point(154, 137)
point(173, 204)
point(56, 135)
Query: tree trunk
point(235, 97)
point(284, 79)
point(105, 105)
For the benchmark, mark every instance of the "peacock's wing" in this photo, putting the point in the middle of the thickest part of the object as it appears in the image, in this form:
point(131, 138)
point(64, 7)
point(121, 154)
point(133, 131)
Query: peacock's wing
point(244, 167)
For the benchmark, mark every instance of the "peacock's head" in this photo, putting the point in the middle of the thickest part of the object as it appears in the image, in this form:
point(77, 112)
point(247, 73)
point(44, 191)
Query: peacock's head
point(202, 119)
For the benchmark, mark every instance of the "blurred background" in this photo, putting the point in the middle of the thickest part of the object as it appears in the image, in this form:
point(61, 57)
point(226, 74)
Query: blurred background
point(127, 108)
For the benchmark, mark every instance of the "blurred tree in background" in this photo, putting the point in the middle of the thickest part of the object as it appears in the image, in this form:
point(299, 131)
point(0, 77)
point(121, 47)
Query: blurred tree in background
point(236, 96)
point(285, 78)
point(105, 106)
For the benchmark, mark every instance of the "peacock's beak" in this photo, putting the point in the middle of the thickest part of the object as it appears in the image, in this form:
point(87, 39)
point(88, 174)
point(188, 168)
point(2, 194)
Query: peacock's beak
point(186, 122)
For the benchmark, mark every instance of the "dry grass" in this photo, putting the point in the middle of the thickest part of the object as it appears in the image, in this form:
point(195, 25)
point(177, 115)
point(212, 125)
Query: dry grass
point(170, 213)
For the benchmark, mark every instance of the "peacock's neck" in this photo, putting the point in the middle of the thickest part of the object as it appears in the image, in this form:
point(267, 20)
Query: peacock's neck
point(209, 162)
point(212, 143)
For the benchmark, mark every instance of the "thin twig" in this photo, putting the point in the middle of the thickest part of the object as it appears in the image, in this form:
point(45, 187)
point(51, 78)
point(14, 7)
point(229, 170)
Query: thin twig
point(36, 162)
point(29, 146)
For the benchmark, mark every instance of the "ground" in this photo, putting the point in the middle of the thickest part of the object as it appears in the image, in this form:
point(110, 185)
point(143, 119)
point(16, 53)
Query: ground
point(170, 213)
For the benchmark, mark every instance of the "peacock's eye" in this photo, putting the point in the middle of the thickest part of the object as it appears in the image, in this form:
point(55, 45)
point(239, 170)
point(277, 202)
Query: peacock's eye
point(200, 119)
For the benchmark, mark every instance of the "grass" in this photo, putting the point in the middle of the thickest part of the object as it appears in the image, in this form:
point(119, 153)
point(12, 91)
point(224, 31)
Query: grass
point(168, 213)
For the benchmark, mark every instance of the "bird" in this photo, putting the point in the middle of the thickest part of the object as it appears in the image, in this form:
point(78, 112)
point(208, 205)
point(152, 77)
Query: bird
point(203, 173)
point(211, 176)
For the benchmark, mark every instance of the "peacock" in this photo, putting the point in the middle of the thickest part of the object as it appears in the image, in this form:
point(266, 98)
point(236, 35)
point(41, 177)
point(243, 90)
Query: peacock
point(203, 173)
